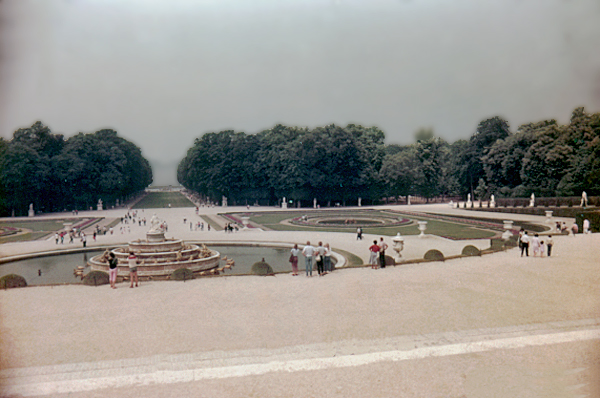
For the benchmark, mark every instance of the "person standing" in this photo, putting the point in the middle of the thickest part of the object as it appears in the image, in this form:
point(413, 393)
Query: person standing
point(525, 244)
point(374, 249)
point(382, 248)
point(549, 244)
point(359, 233)
point(83, 239)
point(294, 253)
point(56, 237)
point(535, 244)
point(586, 226)
point(319, 258)
point(133, 261)
point(327, 258)
point(308, 252)
point(112, 270)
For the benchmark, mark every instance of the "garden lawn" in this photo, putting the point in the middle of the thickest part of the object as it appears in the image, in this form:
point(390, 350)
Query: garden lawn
point(447, 229)
point(159, 200)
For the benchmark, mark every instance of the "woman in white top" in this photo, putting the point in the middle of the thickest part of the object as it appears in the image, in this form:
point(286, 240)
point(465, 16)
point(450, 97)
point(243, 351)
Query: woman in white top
point(294, 253)
point(132, 259)
point(327, 258)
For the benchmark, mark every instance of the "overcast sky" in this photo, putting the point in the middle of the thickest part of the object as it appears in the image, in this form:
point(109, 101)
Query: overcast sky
point(163, 72)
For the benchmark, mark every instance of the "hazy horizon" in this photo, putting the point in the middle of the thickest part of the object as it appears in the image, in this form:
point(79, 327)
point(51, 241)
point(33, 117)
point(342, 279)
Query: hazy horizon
point(163, 73)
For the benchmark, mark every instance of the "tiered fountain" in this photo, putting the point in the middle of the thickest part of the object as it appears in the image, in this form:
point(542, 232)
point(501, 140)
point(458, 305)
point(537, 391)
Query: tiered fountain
point(158, 256)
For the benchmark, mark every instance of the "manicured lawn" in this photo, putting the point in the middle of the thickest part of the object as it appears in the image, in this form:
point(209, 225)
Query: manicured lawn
point(445, 228)
point(158, 200)
point(38, 228)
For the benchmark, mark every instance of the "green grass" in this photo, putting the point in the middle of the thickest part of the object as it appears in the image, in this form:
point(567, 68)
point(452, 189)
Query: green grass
point(450, 229)
point(213, 224)
point(23, 237)
point(159, 200)
point(45, 225)
point(353, 260)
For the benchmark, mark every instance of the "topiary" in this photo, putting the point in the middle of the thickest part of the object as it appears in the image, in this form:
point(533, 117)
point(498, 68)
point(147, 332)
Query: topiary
point(182, 274)
point(389, 260)
point(471, 250)
point(12, 280)
point(434, 255)
point(262, 268)
point(96, 278)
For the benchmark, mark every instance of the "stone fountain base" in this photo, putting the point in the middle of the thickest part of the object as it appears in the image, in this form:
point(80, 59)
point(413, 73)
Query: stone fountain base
point(158, 257)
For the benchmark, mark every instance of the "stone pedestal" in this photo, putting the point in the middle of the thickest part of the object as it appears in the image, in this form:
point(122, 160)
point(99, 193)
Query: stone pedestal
point(245, 220)
point(155, 236)
point(548, 216)
point(31, 212)
point(398, 247)
point(507, 227)
point(99, 206)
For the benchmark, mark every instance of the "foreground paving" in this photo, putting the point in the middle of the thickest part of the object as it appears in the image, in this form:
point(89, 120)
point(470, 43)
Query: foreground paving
point(496, 326)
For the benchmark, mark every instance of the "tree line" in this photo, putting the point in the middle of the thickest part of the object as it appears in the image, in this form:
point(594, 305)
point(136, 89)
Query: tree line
point(337, 164)
point(40, 167)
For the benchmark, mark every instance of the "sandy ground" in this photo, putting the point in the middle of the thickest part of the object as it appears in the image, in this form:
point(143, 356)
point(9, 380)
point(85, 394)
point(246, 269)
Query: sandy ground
point(500, 325)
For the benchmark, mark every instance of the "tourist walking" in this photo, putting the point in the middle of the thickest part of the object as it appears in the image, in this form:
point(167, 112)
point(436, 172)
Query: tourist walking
point(133, 261)
point(382, 248)
point(549, 244)
point(294, 253)
point(56, 237)
point(327, 258)
point(374, 249)
point(308, 252)
point(359, 233)
point(83, 239)
point(525, 244)
point(319, 258)
point(112, 269)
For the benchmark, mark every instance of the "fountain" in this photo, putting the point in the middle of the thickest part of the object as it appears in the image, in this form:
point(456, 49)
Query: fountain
point(158, 256)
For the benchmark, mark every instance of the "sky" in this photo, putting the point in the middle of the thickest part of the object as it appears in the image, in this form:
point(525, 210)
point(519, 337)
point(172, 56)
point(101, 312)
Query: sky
point(164, 72)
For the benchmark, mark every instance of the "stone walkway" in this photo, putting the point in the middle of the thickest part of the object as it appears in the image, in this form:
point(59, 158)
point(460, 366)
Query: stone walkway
point(496, 326)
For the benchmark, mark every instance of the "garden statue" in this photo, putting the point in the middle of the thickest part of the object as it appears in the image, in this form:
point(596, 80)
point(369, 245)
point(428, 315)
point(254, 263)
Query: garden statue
point(154, 224)
point(284, 203)
point(224, 201)
point(31, 212)
point(492, 201)
point(99, 205)
point(359, 202)
point(532, 200)
point(584, 200)
point(469, 203)
point(314, 203)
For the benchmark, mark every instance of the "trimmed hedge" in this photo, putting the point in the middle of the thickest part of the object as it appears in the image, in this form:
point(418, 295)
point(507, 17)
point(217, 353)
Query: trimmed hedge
point(182, 274)
point(11, 281)
point(96, 278)
point(471, 250)
point(262, 268)
point(434, 255)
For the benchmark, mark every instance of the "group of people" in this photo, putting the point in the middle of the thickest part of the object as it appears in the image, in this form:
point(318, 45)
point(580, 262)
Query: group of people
point(320, 255)
point(377, 254)
point(113, 263)
point(537, 245)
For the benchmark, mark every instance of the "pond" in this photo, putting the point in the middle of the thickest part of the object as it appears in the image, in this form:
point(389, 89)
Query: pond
point(58, 269)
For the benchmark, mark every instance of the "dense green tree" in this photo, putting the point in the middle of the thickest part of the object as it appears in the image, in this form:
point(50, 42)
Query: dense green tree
point(42, 168)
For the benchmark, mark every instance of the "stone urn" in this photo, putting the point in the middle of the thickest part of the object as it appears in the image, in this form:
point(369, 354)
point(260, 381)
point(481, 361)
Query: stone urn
point(507, 227)
point(245, 220)
point(398, 246)
point(422, 228)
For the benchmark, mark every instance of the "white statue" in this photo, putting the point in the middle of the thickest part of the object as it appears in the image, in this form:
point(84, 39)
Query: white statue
point(31, 212)
point(314, 203)
point(584, 201)
point(284, 203)
point(493, 201)
point(532, 200)
point(224, 201)
point(155, 224)
point(359, 202)
point(469, 203)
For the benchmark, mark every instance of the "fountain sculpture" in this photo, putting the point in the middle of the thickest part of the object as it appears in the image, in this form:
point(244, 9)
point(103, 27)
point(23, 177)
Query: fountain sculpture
point(159, 256)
